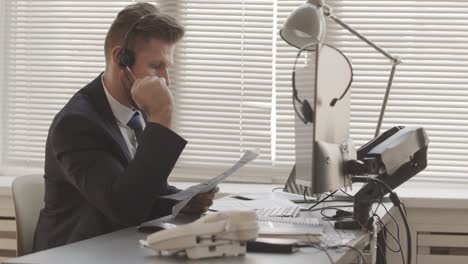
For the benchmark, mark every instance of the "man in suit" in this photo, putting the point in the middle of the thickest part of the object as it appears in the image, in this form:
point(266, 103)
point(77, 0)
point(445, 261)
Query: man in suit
point(110, 150)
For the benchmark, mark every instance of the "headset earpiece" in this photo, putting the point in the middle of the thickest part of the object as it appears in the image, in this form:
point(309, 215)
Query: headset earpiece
point(307, 111)
point(126, 58)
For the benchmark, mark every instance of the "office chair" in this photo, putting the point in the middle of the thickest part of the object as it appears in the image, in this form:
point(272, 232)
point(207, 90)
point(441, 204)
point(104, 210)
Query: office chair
point(28, 199)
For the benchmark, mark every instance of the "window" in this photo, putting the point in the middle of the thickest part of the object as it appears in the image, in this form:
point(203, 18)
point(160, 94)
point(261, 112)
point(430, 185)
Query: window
point(429, 89)
point(231, 80)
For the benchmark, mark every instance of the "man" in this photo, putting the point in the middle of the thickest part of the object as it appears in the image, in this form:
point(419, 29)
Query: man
point(105, 169)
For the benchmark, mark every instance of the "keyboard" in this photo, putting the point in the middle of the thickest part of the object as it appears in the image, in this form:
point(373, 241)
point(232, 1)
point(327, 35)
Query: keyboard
point(292, 211)
point(308, 221)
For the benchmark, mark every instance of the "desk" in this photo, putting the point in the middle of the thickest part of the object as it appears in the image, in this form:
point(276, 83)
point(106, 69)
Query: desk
point(122, 247)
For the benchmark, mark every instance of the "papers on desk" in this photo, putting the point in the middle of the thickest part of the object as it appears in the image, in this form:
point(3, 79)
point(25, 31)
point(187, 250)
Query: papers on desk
point(263, 207)
point(274, 218)
point(296, 198)
point(302, 229)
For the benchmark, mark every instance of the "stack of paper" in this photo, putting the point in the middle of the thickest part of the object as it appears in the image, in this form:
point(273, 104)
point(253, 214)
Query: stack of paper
point(304, 229)
point(263, 207)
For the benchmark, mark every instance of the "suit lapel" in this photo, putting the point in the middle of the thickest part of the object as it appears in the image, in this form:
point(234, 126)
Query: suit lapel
point(96, 92)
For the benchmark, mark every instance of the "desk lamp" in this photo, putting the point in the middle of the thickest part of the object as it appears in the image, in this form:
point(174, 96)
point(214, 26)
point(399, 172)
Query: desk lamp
point(391, 158)
point(306, 26)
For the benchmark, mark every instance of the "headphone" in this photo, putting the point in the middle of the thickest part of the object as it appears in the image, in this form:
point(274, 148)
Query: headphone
point(126, 57)
point(306, 108)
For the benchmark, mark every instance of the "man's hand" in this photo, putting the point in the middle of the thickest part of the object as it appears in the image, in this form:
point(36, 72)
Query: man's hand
point(153, 97)
point(200, 202)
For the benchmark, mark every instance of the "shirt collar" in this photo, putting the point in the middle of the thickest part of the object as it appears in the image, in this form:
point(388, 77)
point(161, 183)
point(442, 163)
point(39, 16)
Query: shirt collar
point(122, 113)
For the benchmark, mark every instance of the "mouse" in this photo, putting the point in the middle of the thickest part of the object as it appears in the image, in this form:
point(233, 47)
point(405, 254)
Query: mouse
point(155, 227)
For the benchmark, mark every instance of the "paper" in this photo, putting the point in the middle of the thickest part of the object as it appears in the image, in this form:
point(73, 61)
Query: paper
point(300, 228)
point(186, 195)
point(232, 204)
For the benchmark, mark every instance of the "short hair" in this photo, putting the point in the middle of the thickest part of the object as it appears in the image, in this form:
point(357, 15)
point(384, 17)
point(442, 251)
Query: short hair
point(152, 24)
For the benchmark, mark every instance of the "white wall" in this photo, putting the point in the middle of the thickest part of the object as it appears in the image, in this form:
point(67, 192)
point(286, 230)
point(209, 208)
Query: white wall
point(2, 79)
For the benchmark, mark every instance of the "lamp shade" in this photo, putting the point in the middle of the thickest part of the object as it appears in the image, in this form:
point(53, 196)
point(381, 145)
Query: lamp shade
point(305, 25)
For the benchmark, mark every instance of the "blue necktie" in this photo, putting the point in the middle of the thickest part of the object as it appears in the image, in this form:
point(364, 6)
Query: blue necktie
point(136, 125)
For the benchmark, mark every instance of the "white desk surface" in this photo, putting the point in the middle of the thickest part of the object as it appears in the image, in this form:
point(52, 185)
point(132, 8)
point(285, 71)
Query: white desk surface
point(413, 194)
point(122, 247)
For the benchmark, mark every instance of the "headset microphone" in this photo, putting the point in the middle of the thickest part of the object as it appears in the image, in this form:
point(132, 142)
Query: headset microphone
point(334, 100)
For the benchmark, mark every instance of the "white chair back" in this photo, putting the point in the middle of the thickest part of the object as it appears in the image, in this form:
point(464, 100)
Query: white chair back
point(28, 198)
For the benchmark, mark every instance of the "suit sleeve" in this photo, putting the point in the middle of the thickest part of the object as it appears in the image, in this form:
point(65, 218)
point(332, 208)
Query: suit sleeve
point(126, 195)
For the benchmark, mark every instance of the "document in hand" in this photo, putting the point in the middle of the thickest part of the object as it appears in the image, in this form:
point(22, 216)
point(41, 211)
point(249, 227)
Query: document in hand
point(303, 229)
point(183, 197)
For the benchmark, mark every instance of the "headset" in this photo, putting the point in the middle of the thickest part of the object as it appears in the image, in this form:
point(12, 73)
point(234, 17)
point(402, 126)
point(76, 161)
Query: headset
point(306, 108)
point(126, 57)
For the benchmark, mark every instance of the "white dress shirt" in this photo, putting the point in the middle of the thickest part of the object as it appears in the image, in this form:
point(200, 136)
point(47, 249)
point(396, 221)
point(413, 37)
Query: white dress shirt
point(122, 115)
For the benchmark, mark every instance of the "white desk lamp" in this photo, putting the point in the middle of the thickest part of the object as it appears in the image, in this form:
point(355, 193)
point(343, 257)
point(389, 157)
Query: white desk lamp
point(306, 26)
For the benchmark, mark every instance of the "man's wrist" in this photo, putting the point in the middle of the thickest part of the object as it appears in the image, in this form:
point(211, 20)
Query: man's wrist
point(163, 117)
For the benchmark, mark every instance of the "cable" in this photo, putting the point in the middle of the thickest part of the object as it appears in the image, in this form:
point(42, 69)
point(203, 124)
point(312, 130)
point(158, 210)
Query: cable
point(330, 207)
point(383, 226)
point(379, 247)
point(277, 188)
point(360, 256)
point(319, 202)
point(404, 208)
point(304, 194)
point(394, 220)
point(378, 205)
point(396, 201)
point(337, 216)
point(324, 249)
point(408, 233)
point(351, 196)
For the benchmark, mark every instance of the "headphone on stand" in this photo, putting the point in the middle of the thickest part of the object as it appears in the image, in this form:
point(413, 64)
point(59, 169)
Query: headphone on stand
point(306, 109)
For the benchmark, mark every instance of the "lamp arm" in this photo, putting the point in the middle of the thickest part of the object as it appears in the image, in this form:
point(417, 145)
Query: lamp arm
point(327, 11)
point(384, 104)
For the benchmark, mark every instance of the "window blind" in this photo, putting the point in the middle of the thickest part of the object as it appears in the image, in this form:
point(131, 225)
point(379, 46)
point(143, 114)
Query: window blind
point(53, 48)
point(285, 55)
point(231, 80)
point(223, 86)
point(222, 81)
point(429, 88)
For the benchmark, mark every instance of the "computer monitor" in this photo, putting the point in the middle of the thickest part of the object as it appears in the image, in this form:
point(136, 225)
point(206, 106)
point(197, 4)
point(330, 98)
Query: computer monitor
point(323, 145)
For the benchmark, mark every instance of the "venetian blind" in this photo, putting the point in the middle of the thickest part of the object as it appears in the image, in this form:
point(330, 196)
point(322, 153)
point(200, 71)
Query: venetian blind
point(430, 86)
point(222, 81)
point(231, 80)
point(52, 48)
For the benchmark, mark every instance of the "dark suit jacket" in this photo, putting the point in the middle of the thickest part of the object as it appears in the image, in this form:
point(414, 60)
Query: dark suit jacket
point(92, 186)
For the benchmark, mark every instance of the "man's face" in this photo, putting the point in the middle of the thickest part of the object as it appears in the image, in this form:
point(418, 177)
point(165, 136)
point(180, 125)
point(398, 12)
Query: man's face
point(153, 58)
